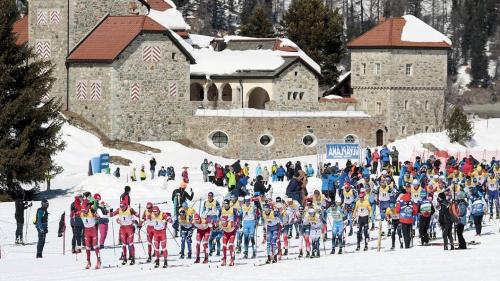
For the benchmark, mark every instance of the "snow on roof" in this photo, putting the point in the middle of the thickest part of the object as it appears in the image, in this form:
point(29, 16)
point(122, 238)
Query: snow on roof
point(251, 112)
point(210, 62)
point(415, 30)
point(332, 97)
point(170, 18)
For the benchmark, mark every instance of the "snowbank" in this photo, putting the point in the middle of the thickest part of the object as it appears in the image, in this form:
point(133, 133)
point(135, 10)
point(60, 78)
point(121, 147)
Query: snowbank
point(416, 30)
point(170, 18)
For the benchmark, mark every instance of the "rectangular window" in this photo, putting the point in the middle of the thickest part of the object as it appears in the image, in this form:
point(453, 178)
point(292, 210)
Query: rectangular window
point(301, 95)
point(289, 95)
point(403, 130)
point(377, 69)
point(406, 105)
point(409, 69)
point(173, 89)
point(135, 91)
point(42, 17)
point(363, 69)
point(81, 90)
point(295, 95)
point(95, 90)
point(379, 107)
point(427, 106)
point(151, 53)
point(42, 49)
point(55, 16)
point(426, 129)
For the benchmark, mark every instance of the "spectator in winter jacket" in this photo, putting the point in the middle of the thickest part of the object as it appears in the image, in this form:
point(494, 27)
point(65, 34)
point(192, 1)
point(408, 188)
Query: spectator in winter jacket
point(236, 167)
point(310, 171)
point(125, 197)
point(116, 173)
point(445, 221)
point(162, 172)
point(143, 173)
point(260, 187)
point(219, 175)
point(274, 169)
point(211, 172)
point(406, 209)
point(20, 205)
point(133, 176)
point(462, 219)
point(152, 167)
point(258, 170)
point(280, 173)
point(265, 176)
point(185, 175)
point(293, 189)
point(375, 159)
point(395, 160)
point(180, 195)
point(204, 170)
point(385, 155)
point(368, 156)
point(231, 179)
point(41, 224)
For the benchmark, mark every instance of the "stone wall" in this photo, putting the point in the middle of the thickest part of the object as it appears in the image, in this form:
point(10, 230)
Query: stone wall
point(297, 78)
point(85, 14)
point(48, 37)
point(287, 134)
point(95, 105)
point(411, 103)
point(156, 114)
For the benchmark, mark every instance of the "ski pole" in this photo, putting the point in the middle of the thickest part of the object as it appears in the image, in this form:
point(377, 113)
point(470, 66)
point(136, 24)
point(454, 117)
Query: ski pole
point(113, 230)
point(173, 237)
point(27, 224)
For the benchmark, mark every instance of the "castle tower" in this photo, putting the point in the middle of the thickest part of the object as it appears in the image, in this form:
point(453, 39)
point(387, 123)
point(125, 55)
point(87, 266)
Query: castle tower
point(48, 35)
point(399, 72)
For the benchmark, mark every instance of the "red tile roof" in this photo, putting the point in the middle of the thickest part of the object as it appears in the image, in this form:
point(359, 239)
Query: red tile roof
point(115, 33)
point(159, 5)
point(278, 47)
point(342, 100)
point(20, 29)
point(387, 34)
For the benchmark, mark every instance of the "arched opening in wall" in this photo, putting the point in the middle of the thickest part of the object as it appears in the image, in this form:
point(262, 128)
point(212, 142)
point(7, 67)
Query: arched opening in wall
point(218, 139)
point(212, 93)
point(196, 92)
point(380, 137)
point(227, 93)
point(257, 98)
point(350, 139)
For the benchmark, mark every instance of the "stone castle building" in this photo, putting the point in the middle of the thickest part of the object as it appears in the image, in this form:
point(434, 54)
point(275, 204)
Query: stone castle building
point(133, 70)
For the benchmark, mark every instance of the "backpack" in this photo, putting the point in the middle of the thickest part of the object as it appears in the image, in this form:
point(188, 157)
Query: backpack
point(454, 211)
point(477, 207)
point(406, 210)
point(462, 206)
point(425, 209)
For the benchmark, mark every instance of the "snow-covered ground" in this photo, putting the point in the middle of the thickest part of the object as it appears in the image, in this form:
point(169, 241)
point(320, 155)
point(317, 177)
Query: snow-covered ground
point(418, 263)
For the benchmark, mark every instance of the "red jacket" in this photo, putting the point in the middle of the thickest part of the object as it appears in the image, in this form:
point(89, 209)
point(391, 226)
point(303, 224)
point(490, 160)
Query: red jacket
point(375, 156)
point(404, 203)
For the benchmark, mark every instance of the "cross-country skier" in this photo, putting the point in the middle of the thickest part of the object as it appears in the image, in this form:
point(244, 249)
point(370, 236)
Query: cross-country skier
point(426, 211)
point(349, 202)
point(392, 215)
point(313, 220)
point(90, 219)
point(126, 219)
point(385, 192)
point(361, 213)
point(158, 221)
point(229, 226)
point(185, 221)
point(272, 221)
point(203, 227)
point(407, 210)
point(76, 224)
point(103, 214)
point(249, 215)
point(320, 203)
point(339, 217)
point(146, 221)
point(492, 185)
point(478, 206)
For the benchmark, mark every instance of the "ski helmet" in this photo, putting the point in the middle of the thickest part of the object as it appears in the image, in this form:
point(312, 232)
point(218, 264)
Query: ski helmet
point(182, 212)
point(415, 182)
point(97, 196)
point(225, 202)
point(197, 218)
point(149, 205)
point(311, 211)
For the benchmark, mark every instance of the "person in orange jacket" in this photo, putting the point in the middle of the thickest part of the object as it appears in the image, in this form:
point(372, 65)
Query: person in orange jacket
point(407, 209)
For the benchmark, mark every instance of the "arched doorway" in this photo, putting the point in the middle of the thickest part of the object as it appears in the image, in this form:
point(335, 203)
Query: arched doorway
point(212, 93)
point(196, 92)
point(257, 98)
point(227, 93)
point(380, 137)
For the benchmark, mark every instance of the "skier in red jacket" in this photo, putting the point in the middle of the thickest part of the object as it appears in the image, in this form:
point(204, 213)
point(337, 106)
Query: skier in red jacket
point(127, 217)
point(407, 209)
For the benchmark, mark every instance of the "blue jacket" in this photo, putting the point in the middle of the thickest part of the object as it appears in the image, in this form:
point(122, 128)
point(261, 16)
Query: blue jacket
point(293, 189)
point(332, 181)
point(385, 154)
point(309, 171)
point(42, 219)
point(280, 172)
point(324, 182)
point(162, 173)
point(401, 176)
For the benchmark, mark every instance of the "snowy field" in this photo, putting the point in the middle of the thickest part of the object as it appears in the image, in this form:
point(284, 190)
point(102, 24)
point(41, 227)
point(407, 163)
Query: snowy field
point(480, 262)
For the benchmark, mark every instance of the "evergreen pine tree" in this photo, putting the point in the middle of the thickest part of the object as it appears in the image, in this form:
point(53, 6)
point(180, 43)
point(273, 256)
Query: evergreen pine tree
point(318, 31)
point(29, 128)
point(258, 25)
point(247, 8)
point(478, 40)
point(458, 127)
point(414, 7)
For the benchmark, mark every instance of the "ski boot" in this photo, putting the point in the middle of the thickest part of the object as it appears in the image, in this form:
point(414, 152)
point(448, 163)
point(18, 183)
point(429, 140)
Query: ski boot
point(389, 232)
point(498, 217)
point(197, 260)
point(88, 265)
point(17, 241)
point(231, 263)
point(313, 255)
point(300, 253)
point(401, 245)
point(73, 251)
point(308, 254)
point(332, 252)
point(245, 255)
point(218, 253)
point(124, 261)
point(98, 264)
point(350, 232)
point(165, 264)
point(289, 236)
point(205, 260)
point(238, 249)
point(189, 255)
point(393, 246)
point(149, 259)
point(366, 247)
point(373, 227)
point(297, 236)
point(223, 263)
point(285, 253)
point(275, 259)
point(358, 247)
point(382, 234)
point(157, 263)
point(317, 254)
point(268, 260)
point(132, 261)
point(254, 255)
point(340, 251)
point(181, 255)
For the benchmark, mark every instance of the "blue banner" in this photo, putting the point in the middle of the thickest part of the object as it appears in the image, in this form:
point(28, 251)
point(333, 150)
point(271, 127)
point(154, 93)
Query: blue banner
point(343, 151)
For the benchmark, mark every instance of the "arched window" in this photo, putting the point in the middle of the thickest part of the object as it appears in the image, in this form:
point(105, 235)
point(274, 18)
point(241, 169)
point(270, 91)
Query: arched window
point(350, 139)
point(266, 140)
point(309, 140)
point(219, 139)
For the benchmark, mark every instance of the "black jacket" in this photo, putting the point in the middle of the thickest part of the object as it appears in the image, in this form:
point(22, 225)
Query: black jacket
point(444, 214)
point(260, 187)
point(20, 207)
point(183, 195)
